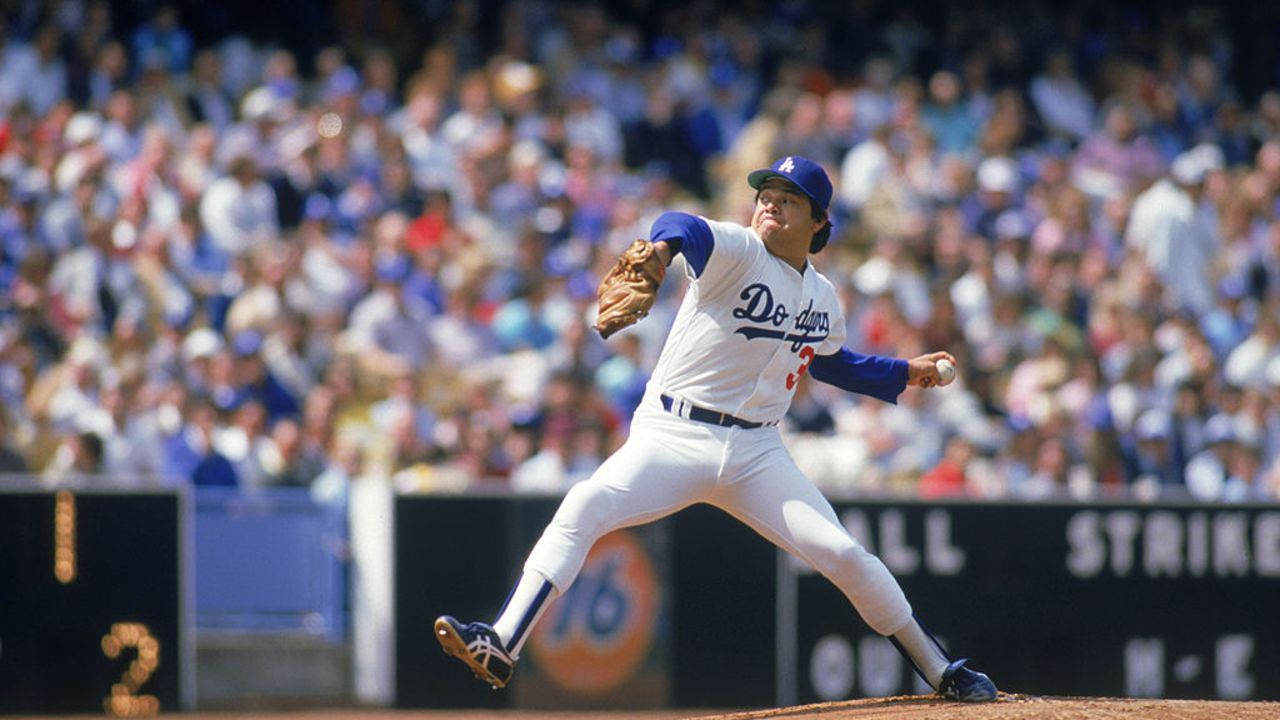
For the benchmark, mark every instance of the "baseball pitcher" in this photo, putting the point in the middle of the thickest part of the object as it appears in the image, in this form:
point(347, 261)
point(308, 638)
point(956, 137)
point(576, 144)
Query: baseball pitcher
point(755, 318)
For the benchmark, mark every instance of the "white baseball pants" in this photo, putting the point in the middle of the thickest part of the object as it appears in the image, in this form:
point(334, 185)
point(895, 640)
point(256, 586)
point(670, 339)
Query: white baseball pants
point(669, 463)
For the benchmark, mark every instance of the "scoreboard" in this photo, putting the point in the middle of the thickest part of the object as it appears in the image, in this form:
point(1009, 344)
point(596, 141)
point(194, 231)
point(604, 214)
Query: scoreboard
point(94, 601)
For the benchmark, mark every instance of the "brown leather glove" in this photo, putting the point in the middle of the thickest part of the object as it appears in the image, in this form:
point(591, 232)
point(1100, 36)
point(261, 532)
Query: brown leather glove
point(628, 292)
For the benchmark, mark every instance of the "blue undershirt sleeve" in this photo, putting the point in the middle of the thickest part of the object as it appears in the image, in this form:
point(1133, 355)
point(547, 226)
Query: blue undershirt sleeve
point(880, 377)
point(686, 234)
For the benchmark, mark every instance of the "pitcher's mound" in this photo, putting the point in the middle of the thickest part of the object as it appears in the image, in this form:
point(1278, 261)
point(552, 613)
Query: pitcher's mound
point(1016, 707)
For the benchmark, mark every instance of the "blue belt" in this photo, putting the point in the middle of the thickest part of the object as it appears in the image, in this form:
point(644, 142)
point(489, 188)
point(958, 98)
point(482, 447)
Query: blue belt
point(711, 417)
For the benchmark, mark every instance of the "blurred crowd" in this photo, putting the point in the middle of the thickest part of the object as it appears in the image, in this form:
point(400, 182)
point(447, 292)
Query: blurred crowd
point(219, 269)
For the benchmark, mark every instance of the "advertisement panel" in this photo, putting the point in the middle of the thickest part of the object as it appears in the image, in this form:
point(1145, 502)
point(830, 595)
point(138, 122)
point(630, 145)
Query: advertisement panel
point(600, 644)
point(603, 644)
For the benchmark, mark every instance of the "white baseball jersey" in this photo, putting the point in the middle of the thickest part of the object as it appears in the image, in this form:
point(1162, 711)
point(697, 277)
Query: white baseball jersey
point(748, 328)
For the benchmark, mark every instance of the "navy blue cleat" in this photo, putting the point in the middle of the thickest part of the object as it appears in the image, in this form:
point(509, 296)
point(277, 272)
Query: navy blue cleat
point(477, 645)
point(961, 683)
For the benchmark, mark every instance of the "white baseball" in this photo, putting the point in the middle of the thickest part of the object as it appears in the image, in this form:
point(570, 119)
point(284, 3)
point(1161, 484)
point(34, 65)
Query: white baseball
point(329, 125)
point(946, 372)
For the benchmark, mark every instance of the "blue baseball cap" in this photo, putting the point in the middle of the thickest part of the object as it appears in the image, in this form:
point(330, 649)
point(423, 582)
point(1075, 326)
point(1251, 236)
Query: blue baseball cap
point(246, 342)
point(393, 268)
point(802, 172)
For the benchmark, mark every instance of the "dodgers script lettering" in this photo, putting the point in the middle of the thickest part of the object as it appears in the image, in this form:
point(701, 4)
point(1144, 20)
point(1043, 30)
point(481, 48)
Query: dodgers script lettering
point(760, 306)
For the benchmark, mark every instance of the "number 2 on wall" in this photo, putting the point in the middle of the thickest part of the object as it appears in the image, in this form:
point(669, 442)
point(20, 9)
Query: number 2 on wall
point(124, 702)
point(806, 357)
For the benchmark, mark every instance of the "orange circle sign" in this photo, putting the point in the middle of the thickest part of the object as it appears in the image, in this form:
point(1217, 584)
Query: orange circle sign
point(593, 637)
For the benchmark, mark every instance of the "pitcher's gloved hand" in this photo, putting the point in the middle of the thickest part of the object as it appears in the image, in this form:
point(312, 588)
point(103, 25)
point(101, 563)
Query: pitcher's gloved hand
point(630, 289)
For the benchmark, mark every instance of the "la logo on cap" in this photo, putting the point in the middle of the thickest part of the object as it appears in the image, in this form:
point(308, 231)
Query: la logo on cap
point(787, 165)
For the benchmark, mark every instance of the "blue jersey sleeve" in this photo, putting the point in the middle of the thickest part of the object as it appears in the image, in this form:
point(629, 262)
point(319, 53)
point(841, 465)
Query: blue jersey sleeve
point(686, 234)
point(880, 377)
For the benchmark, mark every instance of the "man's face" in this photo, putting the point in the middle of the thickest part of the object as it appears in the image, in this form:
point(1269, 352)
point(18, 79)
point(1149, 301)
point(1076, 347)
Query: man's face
point(1120, 123)
point(782, 216)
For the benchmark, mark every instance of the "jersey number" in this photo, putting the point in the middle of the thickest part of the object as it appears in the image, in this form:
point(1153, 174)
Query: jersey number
point(806, 357)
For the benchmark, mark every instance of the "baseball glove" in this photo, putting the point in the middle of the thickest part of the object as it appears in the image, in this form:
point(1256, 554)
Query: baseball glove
point(628, 292)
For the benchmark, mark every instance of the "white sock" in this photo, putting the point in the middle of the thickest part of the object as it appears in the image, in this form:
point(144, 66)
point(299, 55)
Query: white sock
point(923, 650)
point(528, 599)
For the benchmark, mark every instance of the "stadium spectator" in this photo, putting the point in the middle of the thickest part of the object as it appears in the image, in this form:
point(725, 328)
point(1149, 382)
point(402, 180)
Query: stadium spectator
point(1063, 102)
point(42, 83)
point(238, 210)
point(387, 331)
point(162, 40)
point(1169, 229)
point(1116, 158)
point(80, 454)
point(207, 100)
point(947, 116)
point(11, 461)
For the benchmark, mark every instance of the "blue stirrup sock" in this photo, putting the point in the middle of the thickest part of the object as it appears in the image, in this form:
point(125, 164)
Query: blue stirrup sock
point(922, 650)
point(531, 596)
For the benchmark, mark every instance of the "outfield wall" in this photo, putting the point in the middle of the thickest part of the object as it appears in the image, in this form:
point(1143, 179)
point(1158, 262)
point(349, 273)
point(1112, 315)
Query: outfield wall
point(1121, 600)
point(106, 597)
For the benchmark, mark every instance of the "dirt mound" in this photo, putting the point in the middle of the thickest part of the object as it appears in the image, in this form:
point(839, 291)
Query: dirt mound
point(1019, 707)
point(919, 707)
